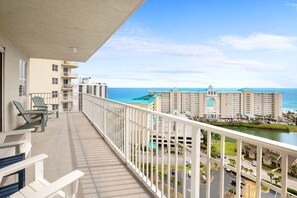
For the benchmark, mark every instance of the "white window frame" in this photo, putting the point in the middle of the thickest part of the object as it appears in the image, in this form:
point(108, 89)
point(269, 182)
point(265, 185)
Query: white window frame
point(54, 94)
point(22, 78)
point(54, 81)
point(54, 67)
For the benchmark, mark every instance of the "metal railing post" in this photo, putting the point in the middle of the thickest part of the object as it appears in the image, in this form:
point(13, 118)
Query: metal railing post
point(104, 118)
point(259, 172)
point(126, 135)
point(195, 179)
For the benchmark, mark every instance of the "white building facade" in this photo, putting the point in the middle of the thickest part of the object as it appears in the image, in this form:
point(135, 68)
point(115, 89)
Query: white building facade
point(86, 86)
point(211, 103)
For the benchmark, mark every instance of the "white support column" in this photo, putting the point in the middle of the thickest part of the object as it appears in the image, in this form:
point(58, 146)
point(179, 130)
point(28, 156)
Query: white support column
point(208, 165)
point(222, 167)
point(184, 162)
point(238, 168)
point(176, 159)
point(104, 118)
point(169, 158)
point(147, 141)
point(142, 135)
point(127, 134)
point(133, 138)
point(157, 153)
point(284, 175)
point(259, 172)
point(152, 151)
point(136, 140)
point(163, 161)
point(195, 156)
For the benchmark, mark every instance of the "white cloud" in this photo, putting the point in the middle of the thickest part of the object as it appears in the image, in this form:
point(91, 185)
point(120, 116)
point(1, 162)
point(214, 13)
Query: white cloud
point(151, 45)
point(259, 41)
point(292, 5)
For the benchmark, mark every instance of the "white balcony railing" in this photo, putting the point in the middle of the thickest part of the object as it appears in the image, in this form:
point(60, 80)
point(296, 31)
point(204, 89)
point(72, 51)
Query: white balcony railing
point(131, 132)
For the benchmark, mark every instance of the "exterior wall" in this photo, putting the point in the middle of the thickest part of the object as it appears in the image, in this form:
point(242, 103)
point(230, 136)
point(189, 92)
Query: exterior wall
point(230, 105)
point(12, 56)
point(277, 106)
point(194, 104)
point(175, 101)
point(41, 75)
point(248, 107)
point(223, 105)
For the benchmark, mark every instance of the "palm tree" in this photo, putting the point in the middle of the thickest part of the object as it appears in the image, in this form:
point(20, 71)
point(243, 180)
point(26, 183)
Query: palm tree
point(293, 169)
point(270, 174)
point(247, 149)
point(165, 176)
point(277, 179)
point(232, 161)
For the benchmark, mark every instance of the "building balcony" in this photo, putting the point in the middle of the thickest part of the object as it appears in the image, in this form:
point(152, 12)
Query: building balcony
point(67, 87)
point(69, 75)
point(66, 98)
point(69, 64)
point(73, 143)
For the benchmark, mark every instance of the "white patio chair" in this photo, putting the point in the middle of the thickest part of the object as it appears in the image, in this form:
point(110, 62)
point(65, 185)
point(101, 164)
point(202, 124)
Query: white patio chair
point(15, 142)
point(40, 187)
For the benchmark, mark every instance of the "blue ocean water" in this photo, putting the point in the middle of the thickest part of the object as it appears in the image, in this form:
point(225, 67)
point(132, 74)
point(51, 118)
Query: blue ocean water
point(289, 95)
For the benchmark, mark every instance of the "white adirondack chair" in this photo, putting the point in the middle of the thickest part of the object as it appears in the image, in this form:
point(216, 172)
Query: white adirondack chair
point(15, 142)
point(40, 187)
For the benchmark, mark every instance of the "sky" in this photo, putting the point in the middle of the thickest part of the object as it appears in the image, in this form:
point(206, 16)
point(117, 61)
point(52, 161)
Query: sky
point(197, 43)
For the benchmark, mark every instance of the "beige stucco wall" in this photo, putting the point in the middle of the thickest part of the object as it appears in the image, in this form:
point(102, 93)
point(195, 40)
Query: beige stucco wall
point(277, 106)
point(223, 105)
point(41, 74)
point(12, 56)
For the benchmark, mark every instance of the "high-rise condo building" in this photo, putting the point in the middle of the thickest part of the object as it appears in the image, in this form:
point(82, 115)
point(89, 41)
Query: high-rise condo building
point(212, 103)
point(52, 79)
point(86, 86)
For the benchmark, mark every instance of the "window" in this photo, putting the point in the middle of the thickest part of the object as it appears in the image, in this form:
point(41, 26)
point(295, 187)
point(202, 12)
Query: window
point(22, 78)
point(54, 81)
point(55, 106)
point(54, 67)
point(54, 94)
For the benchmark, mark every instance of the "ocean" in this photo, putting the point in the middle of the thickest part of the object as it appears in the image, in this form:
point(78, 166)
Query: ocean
point(289, 99)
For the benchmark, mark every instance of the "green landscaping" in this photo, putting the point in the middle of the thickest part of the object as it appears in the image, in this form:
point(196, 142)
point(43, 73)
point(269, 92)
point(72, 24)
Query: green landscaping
point(290, 128)
point(230, 147)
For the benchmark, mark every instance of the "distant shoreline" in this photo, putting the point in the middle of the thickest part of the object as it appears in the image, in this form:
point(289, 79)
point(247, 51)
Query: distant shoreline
point(289, 128)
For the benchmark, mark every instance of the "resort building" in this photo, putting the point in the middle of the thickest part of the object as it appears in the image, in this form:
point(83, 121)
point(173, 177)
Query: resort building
point(51, 79)
point(211, 103)
point(86, 86)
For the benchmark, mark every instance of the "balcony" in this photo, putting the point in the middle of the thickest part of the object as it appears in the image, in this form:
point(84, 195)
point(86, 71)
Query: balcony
point(124, 151)
point(141, 137)
point(67, 87)
point(73, 143)
point(69, 64)
point(69, 75)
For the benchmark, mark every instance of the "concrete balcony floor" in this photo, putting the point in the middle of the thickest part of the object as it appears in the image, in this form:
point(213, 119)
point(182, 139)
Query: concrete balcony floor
point(71, 142)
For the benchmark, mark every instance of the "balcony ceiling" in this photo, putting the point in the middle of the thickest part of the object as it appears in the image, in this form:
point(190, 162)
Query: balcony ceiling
point(51, 29)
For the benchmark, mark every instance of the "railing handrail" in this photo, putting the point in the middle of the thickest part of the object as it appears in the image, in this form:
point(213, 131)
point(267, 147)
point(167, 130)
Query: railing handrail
point(228, 132)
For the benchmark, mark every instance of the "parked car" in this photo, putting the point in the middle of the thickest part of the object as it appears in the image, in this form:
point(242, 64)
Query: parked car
point(189, 163)
point(190, 173)
point(233, 183)
point(254, 163)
